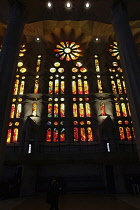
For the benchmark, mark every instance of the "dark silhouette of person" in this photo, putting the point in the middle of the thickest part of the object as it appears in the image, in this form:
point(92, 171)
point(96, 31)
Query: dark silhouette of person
point(53, 193)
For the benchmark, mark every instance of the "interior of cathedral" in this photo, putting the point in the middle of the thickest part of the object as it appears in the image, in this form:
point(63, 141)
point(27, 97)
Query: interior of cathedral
point(69, 112)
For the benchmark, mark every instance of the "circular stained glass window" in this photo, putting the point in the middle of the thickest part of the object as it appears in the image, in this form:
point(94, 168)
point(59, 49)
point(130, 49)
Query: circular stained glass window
point(74, 70)
point(114, 50)
point(88, 122)
point(82, 123)
point(83, 70)
point(52, 70)
point(56, 64)
point(68, 51)
point(75, 123)
point(55, 123)
point(61, 70)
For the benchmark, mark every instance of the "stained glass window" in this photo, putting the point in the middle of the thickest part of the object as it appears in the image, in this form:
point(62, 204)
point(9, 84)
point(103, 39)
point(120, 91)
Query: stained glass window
point(62, 110)
point(121, 130)
point(114, 50)
point(113, 87)
point(55, 135)
point(34, 109)
point(97, 64)
point(48, 135)
point(124, 112)
point(82, 134)
point(50, 87)
point(86, 90)
point(80, 87)
point(19, 109)
point(36, 86)
point(102, 108)
point(99, 86)
point(55, 110)
point(119, 86)
point(68, 51)
point(15, 135)
point(118, 113)
point(9, 135)
point(75, 134)
point(21, 90)
point(62, 135)
point(16, 87)
point(88, 113)
point(128, 109)
point(12, 113)
point(90, 135)
point(75, 110)
point(128, 133)
point(81, 110)
point(73, 87)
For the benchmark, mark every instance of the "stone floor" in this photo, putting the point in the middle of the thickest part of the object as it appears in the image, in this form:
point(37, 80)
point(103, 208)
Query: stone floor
point(75, 202)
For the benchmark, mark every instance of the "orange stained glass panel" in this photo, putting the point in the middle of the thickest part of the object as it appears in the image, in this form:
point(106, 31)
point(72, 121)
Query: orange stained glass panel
point(48, 135)
point(62, 110)
point(56, 86)
point(55, 135)
point(81, 110)
point(99, 86)
point(73, 87)
point(119, 86)
point(90, 135)
point(62, 135)
point(118, 113)
point(12, 113)
point(102, 108)
point(75, 110)
point(86, 90)
point(19, 109)
point(80, 88)
point(21, 90)
point(49, 110)
point(62, 88)
point(15, 135)
point(128, 133)
point(82, 134)
point(34, 109)
point(124, 112)
point(50, 87)
point(16, 87)
point(121, 130)
point(75, 134)
point(113, 87)
point(36, 86)
point(55, 110)
point(88, 113)
point(9, 135)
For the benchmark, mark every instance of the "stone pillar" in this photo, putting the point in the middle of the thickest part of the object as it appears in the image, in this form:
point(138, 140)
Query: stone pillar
point(8, 63)
point(130, 63)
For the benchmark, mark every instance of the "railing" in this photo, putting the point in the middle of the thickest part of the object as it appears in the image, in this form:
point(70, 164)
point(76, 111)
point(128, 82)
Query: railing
point(65, 147)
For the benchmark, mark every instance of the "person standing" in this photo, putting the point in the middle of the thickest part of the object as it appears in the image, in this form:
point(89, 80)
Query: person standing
point(53, 193)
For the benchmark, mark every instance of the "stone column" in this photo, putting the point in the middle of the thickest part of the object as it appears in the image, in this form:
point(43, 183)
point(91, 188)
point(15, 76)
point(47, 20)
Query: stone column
point(130, 63)
point(8, 63)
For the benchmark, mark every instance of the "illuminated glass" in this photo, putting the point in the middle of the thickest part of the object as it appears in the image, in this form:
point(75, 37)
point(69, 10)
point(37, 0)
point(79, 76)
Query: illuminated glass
point(97, 65)
point(62, 135)
point(62, 110)
point(102, 108)
point(52, 70)
point(113, 87)
point(124, 112)
point(68, 51)
point(9, 135)
point(48, 135)
point(19, 109)
point(99, 86)
point(118, 113)
point(16, 87)
point(86, 90)
point(80, 87)
point(36, 86)
point(74, 70)
point(15, 135)
point(62, 87)
point(56, 64)
point(78, 64)
point(34, 109)
point(83, 70)
point(23, 70)
point(50, 87)
point(119, 86)
point(82, 134)
point(61, 70)
point(74, 110)
point(124, 87)
point(55, 110)
point(129, 112)
point(88, 114)
point(89, 134)
point(128, 133)
point(20, 64)
point(12, 113)
point(55, 135)
point(121, 131)
point(75, 134)
point(73, 87)
point(49, 110)
point(81, 110)
point(133, 133)
point(21, 89)
point(56, 86)
point(114, 50)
